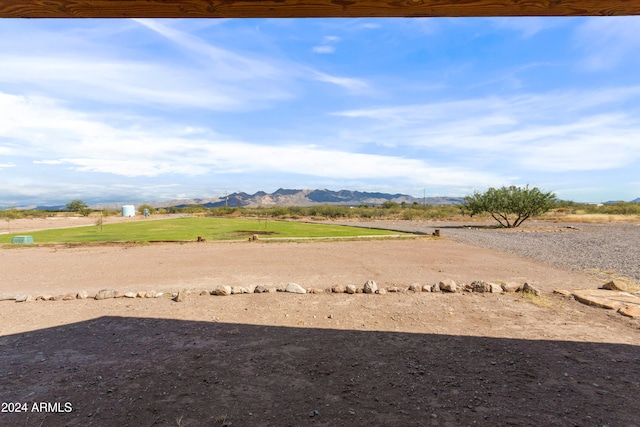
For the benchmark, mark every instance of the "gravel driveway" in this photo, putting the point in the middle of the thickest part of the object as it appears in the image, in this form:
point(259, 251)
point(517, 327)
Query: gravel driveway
point(613, 248)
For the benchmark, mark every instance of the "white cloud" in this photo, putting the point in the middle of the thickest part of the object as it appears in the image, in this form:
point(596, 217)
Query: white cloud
point(7, 165)
point(559, 131)
point(324, 49)
point(125, 82)
point(85, 144)
point(48, 162)
point(354, 85)
point(327, 46)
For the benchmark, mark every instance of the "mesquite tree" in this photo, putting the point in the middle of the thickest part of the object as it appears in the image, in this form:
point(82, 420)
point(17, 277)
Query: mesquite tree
point(510, 206)
point(79, 206)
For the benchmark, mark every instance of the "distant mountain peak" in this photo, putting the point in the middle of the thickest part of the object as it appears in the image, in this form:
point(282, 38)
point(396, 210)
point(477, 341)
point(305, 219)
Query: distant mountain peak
point(294, 197)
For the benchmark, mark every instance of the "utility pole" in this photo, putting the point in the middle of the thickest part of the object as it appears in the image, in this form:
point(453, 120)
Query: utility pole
point(424, 197)
point(226, 199)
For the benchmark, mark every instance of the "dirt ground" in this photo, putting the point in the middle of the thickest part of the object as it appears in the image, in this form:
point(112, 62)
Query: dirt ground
point(279, 359)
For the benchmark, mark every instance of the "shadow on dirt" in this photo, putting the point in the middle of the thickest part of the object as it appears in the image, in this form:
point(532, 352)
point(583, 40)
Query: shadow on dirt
point(117, 371)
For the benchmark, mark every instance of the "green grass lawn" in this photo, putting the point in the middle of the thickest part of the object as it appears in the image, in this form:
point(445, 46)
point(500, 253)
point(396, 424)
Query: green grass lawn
point(190, 228)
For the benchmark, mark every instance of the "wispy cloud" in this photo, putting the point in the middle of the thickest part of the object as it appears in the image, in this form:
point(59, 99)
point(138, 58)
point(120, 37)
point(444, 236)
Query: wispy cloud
point(327, 46)
point(355, 85)
point(324, 49)
point(237, 66)
point(198, 74)
point(155, 151)
point(549, 132)
point(527, 26)
point(609, 41)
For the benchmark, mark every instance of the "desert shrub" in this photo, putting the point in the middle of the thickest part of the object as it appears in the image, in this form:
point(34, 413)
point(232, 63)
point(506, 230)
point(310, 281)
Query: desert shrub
point(620, 208)
point(222, 211)
point(329, 211)
point(389, 205)
point(279, 212)
point(412, 214)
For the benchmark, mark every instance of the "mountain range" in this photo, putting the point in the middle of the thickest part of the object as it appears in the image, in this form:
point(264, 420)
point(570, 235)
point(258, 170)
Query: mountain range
point(288, 197)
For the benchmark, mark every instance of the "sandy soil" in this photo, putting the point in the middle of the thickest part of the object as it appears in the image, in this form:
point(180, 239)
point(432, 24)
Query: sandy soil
point(281, 359)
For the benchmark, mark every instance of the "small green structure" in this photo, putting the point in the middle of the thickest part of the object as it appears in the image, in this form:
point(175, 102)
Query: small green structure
point(22, 239)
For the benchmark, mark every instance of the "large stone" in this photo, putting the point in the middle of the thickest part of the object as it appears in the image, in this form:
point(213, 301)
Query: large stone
point(480, 286)
point(370, 287)
point(260, 289)
point(510, 287)
point(448, 285)
point(294, 288)
point(130, 294)
point(495, 288)
point(24, 298)
point(616, 285)
point(237, 290)
point(69, 297)
point(106, 294)
point(381, 291)
point(338, 289)
point(182, 295)
point(351, 289)
point(563, 292)
point(632, 311)
point(435, 288)
point(592, 298)
point(150, 294)
point(415, 287)
point(7, 297)
point(82, 295)
point(223, 291)
point(426, 288)
point(527, 288)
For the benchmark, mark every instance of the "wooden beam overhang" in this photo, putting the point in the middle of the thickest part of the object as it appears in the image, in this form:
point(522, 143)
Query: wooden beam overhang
point(311, 8)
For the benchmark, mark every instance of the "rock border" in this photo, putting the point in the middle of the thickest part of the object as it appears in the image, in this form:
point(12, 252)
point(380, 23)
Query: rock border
point(628, 307)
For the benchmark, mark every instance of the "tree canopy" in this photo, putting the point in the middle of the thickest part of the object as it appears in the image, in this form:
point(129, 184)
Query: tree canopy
point(510, 206)
point(79, 206)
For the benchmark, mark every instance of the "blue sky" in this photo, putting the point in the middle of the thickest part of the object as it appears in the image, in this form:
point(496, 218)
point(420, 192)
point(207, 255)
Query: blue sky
point(150, 110)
